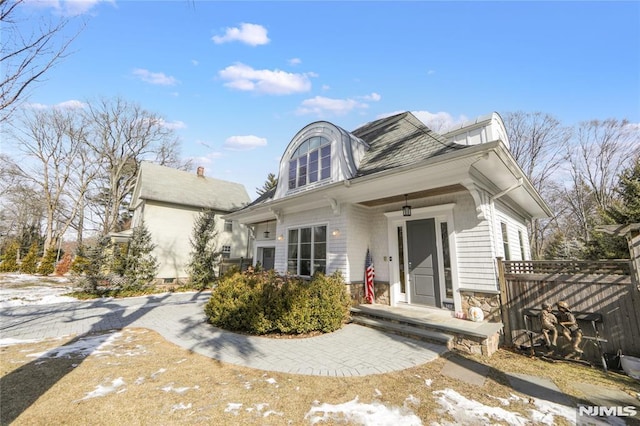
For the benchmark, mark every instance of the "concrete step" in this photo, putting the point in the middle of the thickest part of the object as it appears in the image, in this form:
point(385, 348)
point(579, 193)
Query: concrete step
point(412, 331)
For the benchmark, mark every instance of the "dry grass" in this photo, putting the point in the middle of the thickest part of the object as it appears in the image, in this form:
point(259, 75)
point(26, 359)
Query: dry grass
point(155, 382)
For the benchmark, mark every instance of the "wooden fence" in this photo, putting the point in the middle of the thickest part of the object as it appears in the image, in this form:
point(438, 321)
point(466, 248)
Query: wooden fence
point(604, 287)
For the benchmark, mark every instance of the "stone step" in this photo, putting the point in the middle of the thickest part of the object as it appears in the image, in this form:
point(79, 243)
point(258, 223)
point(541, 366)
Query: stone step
point(406, 330)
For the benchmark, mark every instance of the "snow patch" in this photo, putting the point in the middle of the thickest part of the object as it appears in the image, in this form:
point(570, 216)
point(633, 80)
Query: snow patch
point(467, 411)
point(180, 406)
point(10, 341)
point(101, 390)
point(82, 347)
point(233, 407)
point(374, 414)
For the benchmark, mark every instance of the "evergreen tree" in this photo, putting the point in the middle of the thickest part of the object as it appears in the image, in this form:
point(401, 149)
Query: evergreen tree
point(47, 264)
point(203, 254)
point(622, 211)
point(141, 265)
point(29, 264)
point(92, 262)
point(9, 261)
point(268, 185)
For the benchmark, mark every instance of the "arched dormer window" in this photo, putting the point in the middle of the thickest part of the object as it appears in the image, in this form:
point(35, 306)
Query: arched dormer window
point(310, 163)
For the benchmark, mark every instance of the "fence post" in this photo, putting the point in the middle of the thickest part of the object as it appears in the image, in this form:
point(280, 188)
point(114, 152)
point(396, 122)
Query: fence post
point(504, 301)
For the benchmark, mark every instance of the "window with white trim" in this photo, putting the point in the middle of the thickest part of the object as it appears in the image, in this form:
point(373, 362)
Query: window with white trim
point(228, 226)
point(310, 163)
point(522, 248)
point(226, 252)
point(505, 241)
point(307, 250)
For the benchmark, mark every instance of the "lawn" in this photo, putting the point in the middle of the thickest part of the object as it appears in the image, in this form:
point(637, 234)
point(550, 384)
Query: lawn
point(136, 377)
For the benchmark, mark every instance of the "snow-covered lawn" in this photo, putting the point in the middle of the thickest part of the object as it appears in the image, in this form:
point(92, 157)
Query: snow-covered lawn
point(24, 289)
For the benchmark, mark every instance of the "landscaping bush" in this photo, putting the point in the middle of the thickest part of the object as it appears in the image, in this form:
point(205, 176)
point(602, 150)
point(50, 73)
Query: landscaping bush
point(263, 302)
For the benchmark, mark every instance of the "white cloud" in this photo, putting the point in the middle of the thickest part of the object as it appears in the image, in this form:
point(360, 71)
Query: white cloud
point(195, 62)
point(70, 104)
point(372, 97)
point(207, 159)
point(321, 105)
point(157, 78)
point(244, 143)
point(325, 87)
point(68, 8)
point(272, 82)
point(431, 72)
point(251, 34)
point(295, 61)
point(440, 122)
point(172, 125)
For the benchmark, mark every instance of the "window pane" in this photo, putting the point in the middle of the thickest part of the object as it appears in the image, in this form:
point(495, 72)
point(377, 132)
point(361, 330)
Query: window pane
point(313, 166)
point(305, 267)
point(446, 260)
point(320, 251)
point(305, 251)
point(325, 162)
point(292, 173)
point(320, 234)
point(320, 266)
point(302, 170)
point(315, 142)
point(292, 267)
point(305, 235)
point(293, 236)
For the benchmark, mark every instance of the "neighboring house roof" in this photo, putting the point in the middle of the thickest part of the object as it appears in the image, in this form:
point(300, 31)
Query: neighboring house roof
point(160, 183)
point(399, 140)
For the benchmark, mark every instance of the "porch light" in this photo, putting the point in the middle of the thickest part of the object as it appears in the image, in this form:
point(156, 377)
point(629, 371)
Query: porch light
point(266, 233)
point(406, 209)
point(335, 232)
point(280, 237)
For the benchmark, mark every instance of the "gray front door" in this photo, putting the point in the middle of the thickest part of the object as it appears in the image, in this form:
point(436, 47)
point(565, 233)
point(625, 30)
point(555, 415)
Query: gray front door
point(423, 262)
point(268, 257)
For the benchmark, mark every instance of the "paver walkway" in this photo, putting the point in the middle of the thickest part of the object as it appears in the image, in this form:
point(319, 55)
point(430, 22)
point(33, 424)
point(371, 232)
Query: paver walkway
point(179, 317)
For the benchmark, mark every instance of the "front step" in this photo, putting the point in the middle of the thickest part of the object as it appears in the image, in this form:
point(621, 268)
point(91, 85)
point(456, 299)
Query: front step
point(405, 330)
point(431, 325)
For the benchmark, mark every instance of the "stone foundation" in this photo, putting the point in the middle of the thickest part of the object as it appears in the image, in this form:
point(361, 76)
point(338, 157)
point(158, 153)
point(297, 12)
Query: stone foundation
point(488, 302)
point(380, 289)
point(476, 345)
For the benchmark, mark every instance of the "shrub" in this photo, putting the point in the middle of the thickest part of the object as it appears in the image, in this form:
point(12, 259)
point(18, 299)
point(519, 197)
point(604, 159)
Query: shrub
point(9, 261)
point(64, 265)
point(263, 302)
point(47, 264)
point(29, 264)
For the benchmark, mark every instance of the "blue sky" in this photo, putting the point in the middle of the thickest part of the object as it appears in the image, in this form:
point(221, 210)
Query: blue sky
point(237, 80)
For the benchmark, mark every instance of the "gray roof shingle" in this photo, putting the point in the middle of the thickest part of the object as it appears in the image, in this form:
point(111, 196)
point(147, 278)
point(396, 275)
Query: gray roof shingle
point(397, 141)
point(160, 183)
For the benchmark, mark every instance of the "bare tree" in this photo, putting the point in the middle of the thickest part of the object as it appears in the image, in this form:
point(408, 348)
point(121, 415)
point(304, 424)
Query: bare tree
point(602, 149)
point(122, 135)
point(537, 142)
point(52, 141)
point(27, 52)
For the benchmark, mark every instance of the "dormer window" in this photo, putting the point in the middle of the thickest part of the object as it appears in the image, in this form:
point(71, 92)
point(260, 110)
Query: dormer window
point(310, 163)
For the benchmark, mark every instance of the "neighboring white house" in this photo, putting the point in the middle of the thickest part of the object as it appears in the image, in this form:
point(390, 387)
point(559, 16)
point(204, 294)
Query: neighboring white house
point(340, 193)
point(169, 200)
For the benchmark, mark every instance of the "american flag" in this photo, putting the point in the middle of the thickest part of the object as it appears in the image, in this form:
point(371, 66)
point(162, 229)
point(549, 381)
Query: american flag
point(369, 274)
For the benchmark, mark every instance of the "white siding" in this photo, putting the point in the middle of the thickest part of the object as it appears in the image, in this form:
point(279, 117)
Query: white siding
point(514, 224)
point(171, 227)
point(367, 229)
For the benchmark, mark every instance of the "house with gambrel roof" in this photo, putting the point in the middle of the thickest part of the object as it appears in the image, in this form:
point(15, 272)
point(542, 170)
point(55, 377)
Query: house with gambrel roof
point(435, 210)
point(169, 200)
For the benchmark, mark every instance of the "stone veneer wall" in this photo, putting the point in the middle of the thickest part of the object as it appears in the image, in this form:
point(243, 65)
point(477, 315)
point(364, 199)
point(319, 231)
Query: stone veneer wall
point(380, 289)
point(476, 345)
point(488, 302)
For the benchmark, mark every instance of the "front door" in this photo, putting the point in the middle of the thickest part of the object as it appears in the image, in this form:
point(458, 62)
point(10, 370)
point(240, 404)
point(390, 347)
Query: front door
point(422, 259)
point(268, 257)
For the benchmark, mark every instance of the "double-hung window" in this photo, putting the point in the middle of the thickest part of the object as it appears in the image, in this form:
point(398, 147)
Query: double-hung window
point(310, 163)
point(307, 250)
